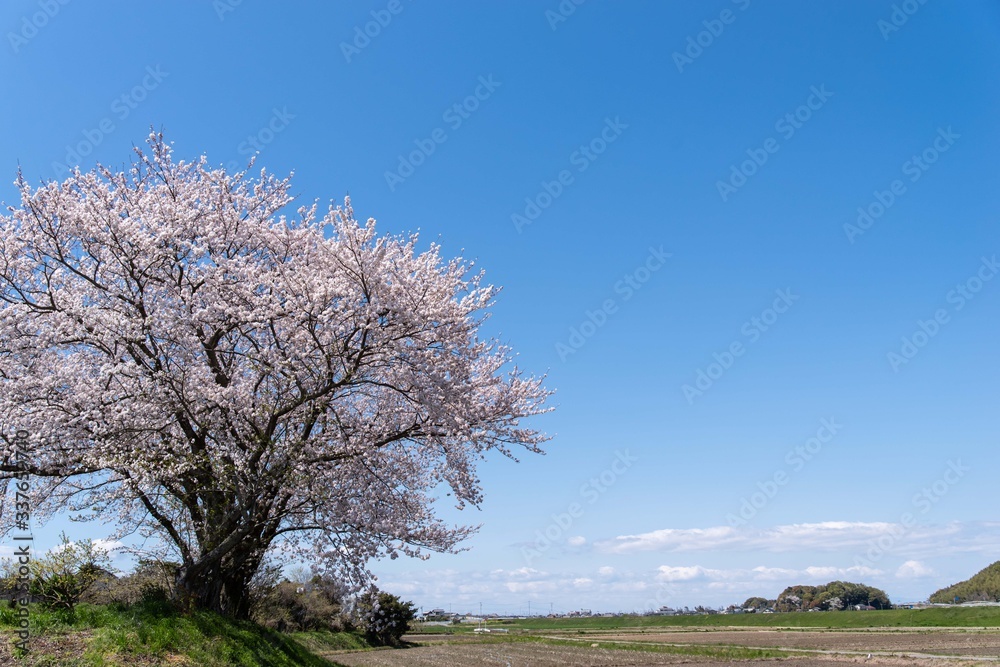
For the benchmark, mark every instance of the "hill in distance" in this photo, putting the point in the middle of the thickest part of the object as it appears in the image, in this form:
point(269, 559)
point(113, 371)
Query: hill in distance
point(984, 586)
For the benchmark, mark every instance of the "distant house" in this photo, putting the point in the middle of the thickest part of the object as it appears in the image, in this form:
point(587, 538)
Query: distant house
point(438, 615)
point(864, 607)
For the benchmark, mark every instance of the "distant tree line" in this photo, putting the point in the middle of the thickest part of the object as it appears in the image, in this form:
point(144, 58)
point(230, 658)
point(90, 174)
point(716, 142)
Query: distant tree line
point(833, 596)
point(758, 604)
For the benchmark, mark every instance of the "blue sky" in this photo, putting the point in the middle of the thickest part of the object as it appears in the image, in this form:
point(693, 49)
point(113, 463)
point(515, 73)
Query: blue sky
point(677, 183)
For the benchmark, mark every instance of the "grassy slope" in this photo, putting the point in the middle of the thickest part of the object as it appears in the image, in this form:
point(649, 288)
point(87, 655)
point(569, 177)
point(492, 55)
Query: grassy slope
point(921, 618)
point(104, 635)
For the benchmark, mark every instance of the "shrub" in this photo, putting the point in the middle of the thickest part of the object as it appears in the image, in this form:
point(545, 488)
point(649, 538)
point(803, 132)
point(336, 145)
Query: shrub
point(294, 606)
point(65, 573)
point(384, 617)
point(150, 580)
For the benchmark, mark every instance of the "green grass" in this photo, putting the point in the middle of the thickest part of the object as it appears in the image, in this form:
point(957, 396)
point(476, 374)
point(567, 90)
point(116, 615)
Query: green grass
point(919, 618)
point(105, 635)
point(448, 629)
point(319, 642)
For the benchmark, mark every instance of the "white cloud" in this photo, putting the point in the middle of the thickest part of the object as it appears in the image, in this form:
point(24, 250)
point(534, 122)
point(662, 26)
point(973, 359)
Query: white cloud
point(673, 539)
point(761, 573)
point(821, 571)
point(108, 546)
point(531, 586)
point(519, 573)
point(914, 569)
point(668, 573)
point(823, 536)
point(576, 541)
point(606, 571)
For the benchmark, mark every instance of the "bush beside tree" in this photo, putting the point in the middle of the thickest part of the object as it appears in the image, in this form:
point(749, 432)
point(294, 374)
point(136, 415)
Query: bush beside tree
point(61, 577)
point(301, 602)
point(384, 617)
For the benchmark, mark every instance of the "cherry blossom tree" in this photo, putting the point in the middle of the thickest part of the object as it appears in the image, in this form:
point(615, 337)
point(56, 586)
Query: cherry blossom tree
point(193, 363)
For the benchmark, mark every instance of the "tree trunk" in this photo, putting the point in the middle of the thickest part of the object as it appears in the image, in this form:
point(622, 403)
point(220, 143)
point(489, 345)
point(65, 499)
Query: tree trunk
point(222, 586)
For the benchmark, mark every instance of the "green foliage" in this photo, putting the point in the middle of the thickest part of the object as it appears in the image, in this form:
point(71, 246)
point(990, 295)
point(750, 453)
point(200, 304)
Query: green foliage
point(831, 597)
point(757, 603)
point(384, 617)
point(320, 641)
point(150, 580)
point(296, 606)
point(9, 587)
point(984, 586)
point(61, 577)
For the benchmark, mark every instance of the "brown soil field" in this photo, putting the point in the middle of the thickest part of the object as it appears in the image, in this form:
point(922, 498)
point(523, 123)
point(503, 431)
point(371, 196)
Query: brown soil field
point(919, 647)
point(474, 653)
point(938, 642)
point(540, 655)
point(519, 655)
